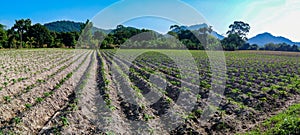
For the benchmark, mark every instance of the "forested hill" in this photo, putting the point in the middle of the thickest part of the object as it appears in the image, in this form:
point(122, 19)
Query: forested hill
point(70, 26)
point(64, 26)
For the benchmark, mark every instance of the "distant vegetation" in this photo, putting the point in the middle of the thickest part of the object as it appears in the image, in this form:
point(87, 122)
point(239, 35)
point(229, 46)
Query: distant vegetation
point(62, 34)
point(280, 47)
point(25, 35)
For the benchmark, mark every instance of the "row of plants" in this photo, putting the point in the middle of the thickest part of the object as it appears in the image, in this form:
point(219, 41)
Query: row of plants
point(43, 63)
point(35, 82)
point(132, 98)
point(255, 84)
point(168, 96)
point(38, 98)
point(67, 115)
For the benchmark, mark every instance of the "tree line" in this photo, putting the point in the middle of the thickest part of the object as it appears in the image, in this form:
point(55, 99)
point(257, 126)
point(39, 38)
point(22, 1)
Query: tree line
point(280, 47)
point(24, 34)
point(191, 39)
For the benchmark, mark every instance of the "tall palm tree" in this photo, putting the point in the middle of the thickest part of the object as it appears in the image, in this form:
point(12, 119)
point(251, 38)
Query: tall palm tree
point(30, 41)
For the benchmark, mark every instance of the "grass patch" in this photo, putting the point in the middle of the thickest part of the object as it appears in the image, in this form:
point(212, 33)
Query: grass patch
point(285, 123)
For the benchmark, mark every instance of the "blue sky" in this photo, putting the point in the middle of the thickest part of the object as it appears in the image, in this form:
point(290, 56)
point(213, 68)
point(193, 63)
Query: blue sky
point(278, 17)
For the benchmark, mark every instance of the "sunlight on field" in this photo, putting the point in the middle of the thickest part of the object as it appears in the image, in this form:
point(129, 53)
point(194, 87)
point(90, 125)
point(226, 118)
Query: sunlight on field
point(48, 90)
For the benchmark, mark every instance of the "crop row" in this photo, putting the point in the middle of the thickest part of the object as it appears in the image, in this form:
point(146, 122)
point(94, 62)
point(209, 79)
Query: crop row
point(25, 86)
point(12, 77)
point(32, 110)
point(254, 86)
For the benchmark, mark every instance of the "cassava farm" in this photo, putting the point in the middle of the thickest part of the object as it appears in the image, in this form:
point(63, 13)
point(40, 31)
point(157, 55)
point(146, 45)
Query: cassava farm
point(85, 91)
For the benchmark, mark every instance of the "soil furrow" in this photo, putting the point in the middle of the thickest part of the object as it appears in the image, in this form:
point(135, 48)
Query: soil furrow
point(37, 117)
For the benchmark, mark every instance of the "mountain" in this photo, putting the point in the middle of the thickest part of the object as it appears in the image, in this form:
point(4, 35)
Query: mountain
point(70, 26)
point(64, 26)
point(265, 38)
point(197, 27)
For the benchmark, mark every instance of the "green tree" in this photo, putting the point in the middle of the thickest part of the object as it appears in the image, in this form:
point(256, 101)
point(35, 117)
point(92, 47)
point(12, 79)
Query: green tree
point(3, 36)
point(191, 39)
point(280, 47)
point(30, 41)
point(295, 48)
point(236, 36)
point(284, 47)
point(12, 36)
point(121, 34)
point(69, 39)
point(254, 47)
point(190, 44)
point(56, 38)
point(212, 43)
point(41, 35)
point(245, 46)
point(271, 46)
point(240, 28)
point(22, 26)
point(232, 42)
point(107, 43)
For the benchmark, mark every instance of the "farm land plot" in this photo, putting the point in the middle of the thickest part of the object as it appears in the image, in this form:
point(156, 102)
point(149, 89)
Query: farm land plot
point(50, 91)
point(258, 85)
point(17, 103)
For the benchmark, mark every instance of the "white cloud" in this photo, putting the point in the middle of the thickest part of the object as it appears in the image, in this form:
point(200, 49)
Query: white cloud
point(280, 19)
